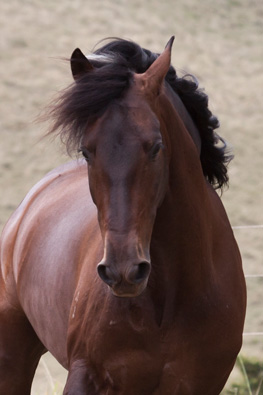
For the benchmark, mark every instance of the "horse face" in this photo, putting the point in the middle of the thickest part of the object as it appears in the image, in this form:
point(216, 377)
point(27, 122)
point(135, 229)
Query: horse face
point(127, 164)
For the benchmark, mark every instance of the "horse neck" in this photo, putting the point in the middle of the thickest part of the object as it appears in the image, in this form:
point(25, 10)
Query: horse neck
point(184, 222)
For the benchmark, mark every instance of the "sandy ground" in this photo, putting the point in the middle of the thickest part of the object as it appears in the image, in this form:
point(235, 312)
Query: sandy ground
point(219, 42)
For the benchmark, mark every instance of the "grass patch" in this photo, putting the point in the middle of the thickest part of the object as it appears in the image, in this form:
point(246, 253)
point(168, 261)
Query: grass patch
point(252, 373)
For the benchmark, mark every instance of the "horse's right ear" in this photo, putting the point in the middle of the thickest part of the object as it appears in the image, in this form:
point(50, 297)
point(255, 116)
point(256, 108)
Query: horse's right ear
point(79, 64)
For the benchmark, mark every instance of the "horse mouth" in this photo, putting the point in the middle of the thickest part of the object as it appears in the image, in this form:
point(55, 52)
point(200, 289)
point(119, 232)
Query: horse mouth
point(128, 290)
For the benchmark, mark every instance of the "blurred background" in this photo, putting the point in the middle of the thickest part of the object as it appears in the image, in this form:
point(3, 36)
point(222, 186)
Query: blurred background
point(221, 43)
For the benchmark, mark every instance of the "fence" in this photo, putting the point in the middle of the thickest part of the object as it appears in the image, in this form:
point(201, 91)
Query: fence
point(241, 227)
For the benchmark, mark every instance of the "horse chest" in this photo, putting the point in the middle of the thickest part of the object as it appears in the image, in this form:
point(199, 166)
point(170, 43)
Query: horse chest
point(127, 352)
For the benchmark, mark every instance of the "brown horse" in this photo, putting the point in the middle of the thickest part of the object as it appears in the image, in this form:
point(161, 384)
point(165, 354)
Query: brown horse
point(136, 287)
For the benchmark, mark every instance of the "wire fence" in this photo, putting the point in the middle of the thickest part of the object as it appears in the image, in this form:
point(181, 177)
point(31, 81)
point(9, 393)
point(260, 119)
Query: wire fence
point(248, 227)
point(241, 227)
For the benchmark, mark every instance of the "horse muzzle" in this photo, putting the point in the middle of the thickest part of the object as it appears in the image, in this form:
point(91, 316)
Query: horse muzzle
point(126, 283)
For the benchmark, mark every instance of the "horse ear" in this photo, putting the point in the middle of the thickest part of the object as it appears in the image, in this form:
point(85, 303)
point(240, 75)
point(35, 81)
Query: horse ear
point(154, 76)
point(79, 64)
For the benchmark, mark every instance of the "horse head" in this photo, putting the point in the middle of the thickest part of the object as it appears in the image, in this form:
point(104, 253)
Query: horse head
point(128, 166)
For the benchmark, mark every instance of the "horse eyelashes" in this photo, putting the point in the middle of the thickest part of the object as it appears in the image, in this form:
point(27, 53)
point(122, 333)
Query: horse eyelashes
point(156, 149)
point(85, 153)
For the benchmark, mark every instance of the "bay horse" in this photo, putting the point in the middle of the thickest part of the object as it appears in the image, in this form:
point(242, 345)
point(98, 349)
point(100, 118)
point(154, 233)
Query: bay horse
point(123, 264)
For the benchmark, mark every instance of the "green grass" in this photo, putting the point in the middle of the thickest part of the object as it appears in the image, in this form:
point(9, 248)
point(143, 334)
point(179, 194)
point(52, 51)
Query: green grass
point(252, 377)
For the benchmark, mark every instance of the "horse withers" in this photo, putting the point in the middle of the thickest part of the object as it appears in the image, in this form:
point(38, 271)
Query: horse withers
point(124, 265)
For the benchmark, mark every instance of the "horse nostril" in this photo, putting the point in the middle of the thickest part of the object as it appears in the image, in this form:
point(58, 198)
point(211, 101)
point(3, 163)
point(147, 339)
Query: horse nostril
point(105, 274)
point(136, 274)
point(140, 272)
point(143, 272)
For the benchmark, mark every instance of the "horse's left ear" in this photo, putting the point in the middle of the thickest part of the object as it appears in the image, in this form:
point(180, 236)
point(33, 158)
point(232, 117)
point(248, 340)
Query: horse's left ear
point(79, 64)
point(154, 76)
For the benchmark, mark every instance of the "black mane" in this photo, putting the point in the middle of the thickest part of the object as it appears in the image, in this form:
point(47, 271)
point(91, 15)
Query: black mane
point(86, 100)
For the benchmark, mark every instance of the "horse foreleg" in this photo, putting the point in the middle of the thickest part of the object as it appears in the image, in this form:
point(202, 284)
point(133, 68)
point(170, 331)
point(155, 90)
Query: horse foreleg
point(20, 351)
point(79, 381)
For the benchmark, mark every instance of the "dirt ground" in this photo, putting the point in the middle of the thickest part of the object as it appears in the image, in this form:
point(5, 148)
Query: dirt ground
point(219, 42)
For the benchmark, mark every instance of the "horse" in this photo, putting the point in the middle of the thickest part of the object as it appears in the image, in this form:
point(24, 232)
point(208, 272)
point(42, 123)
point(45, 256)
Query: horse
point(123, 263)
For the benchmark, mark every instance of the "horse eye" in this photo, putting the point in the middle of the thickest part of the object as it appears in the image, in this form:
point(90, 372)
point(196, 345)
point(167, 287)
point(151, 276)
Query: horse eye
point(85, 152)
point(156, 149)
